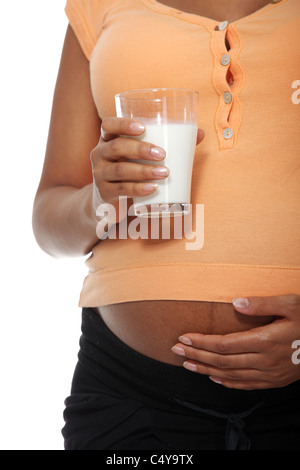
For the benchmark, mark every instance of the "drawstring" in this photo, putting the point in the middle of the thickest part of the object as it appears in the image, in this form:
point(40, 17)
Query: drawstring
point(235, 438)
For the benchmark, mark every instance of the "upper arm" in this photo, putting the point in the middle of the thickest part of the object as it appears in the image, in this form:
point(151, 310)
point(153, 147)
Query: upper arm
point(75, 125)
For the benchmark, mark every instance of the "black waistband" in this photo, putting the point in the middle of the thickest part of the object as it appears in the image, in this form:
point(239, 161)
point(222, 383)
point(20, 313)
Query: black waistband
point(159, 384)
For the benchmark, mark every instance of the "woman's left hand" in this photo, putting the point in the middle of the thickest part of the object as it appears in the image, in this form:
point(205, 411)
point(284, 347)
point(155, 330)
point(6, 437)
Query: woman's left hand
point(260, 358)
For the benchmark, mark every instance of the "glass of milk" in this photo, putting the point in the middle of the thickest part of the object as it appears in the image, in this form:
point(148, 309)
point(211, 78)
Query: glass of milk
point(171, 119)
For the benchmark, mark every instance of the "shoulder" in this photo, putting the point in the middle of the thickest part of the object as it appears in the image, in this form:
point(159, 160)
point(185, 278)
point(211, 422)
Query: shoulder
point(86, 19)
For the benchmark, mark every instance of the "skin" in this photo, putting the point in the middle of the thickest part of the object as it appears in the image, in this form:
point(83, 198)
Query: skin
point(256, 359)
point(79, 161)
point(218, 10)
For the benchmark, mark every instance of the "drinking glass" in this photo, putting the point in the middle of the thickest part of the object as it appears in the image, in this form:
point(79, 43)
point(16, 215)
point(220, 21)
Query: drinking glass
point(171, 119)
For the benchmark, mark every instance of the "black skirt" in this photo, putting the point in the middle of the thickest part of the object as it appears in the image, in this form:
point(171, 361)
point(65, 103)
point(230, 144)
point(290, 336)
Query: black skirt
point(123, 400)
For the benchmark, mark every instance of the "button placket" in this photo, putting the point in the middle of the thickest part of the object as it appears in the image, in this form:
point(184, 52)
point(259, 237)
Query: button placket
point(222, 63)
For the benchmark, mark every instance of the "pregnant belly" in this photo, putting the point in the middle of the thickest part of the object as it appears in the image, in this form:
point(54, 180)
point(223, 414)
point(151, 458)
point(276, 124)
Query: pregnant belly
point(153, 327)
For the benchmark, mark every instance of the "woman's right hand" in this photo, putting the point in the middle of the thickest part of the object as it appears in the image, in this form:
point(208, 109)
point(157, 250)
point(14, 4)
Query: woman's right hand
point(113, 175)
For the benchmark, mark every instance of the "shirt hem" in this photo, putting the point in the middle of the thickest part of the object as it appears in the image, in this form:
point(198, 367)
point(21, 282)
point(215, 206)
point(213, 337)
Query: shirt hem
point(209, 283)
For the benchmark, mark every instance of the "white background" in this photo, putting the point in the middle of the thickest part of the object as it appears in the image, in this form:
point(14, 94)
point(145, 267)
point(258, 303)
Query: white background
point(40, 317)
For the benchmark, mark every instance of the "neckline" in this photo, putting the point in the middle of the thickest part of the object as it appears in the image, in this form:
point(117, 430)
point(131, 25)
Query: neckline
point(205, 21)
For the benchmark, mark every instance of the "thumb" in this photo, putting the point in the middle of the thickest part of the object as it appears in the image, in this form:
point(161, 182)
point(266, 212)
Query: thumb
point(273, 305)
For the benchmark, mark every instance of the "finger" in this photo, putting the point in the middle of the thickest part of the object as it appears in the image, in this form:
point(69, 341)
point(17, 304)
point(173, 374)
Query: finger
point(230, 375)
point(220, 361)
point(122, 147)
point(243, 384)
point(111, 191)
point(113, 126)
point(273, 305)
point(233, 343)
point(200, 136)
point(124, 171)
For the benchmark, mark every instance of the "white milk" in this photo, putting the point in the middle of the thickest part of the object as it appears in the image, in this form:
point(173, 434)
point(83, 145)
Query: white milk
point(179, 142)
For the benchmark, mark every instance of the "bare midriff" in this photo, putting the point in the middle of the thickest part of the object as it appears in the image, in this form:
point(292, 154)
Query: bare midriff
point(153, 327)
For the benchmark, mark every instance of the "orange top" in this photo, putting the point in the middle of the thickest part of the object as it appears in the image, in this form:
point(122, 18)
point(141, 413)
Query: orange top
point(247, 170)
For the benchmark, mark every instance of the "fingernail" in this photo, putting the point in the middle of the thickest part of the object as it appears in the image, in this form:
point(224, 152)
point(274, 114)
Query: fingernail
point(137, 127)
point(185, 340)
point(149, 187)
point(158, 153)
point(161, 171)
point(178, 350)
point(190, 366)
point(241, 303)
point(217, 381)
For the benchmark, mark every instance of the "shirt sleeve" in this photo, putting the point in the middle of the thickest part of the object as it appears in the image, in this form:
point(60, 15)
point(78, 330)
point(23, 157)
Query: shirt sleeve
point(85, 18)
